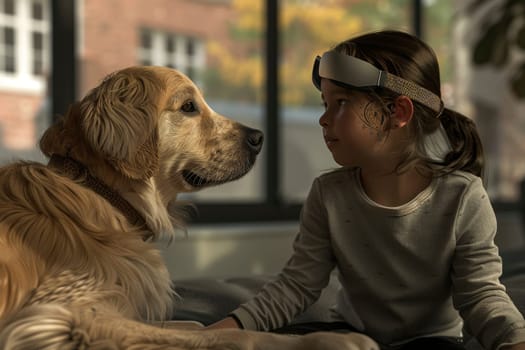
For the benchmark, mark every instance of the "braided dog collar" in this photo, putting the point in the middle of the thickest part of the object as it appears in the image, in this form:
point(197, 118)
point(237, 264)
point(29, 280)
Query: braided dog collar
point(74, 170)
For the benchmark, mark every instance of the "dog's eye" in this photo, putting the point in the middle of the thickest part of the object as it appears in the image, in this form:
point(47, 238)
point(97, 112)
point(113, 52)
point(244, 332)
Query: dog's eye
point(188, 107)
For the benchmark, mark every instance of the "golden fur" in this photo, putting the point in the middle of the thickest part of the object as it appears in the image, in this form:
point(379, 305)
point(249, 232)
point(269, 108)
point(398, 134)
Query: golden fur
point(74, 272)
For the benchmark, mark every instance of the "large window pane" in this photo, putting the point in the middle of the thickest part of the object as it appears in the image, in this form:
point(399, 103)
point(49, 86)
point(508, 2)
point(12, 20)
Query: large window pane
point(483, 91)
point(216, 43)
point(24, 70)
point(308, 29)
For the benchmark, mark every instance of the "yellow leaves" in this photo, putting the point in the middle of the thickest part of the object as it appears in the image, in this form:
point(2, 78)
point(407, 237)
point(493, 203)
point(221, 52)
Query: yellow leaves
point(250, 14)
point(306, 28)
point(323, 23)
point(239, 71)
point(327, 21)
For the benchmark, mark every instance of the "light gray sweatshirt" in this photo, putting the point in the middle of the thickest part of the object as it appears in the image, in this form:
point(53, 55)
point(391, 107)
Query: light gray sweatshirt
point(405, 271)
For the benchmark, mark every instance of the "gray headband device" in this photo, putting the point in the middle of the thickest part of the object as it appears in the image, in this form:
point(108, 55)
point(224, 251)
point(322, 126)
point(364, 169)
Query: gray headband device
point(357, 73)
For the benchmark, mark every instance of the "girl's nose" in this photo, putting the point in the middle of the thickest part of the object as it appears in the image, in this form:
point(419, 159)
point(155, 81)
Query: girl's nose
point(323, 119)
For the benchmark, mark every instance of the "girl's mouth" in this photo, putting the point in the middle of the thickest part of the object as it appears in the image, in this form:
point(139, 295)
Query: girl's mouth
point(330, 141)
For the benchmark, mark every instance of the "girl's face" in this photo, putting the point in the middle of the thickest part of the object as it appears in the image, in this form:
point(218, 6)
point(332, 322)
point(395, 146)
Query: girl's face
point(352, 124)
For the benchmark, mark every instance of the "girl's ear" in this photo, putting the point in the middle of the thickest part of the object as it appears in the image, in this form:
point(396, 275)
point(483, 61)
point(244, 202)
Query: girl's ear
point(402, 112)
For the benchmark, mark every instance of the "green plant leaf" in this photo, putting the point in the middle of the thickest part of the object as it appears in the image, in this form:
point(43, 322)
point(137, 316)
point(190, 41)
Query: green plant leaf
point(501, 52)
point(518, 82)
point(486, 47)
point(520, 39)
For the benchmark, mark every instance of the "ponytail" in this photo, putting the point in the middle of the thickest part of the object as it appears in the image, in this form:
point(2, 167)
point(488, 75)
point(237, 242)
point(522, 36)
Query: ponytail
point(467, 150)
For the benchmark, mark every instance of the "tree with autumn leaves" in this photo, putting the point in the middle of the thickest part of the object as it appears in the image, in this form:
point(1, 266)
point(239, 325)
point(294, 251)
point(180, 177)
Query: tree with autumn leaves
point(307, 28)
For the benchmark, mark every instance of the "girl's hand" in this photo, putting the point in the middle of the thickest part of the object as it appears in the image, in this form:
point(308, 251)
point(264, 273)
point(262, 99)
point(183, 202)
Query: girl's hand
point(520, 346)
point(227, 322)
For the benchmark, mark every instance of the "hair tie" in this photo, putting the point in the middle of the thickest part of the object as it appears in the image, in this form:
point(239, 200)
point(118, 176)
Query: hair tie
point(437, 144)
point(441, 110)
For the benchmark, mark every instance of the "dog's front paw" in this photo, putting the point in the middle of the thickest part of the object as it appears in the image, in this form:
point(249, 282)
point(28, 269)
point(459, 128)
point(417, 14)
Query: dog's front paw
point(349, 341)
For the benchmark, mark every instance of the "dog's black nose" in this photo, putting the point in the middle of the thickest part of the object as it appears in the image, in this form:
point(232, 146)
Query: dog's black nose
point(254, 139)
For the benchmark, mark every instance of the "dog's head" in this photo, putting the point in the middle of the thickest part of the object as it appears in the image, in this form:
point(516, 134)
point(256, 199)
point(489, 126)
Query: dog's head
point(154, 122)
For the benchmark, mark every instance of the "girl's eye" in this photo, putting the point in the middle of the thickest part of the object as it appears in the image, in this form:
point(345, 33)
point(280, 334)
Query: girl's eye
point(338, 102)
point(188, 107)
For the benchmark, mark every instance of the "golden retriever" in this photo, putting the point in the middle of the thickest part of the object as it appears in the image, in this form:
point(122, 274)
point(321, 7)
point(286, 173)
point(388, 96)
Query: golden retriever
point(78, 269)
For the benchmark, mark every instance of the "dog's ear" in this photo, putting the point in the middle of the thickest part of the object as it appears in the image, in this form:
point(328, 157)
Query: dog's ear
point(61, 136)
point(119, 119)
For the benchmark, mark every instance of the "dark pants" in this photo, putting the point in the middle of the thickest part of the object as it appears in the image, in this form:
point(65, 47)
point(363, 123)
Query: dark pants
point(427, 343)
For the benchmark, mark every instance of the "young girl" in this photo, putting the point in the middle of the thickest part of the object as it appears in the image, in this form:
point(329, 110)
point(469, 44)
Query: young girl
point(406, 220)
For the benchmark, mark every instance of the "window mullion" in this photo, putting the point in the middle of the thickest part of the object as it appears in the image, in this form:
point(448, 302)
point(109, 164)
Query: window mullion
point(23, 40)
point(272, 109)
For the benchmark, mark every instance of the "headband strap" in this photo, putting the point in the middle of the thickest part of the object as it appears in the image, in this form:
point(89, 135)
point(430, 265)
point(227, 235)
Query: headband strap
point(414, 91)
point(358, 73)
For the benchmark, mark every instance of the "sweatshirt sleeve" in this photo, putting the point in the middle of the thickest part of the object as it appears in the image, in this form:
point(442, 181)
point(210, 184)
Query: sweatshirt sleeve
point(304, 276)
point(488, 312)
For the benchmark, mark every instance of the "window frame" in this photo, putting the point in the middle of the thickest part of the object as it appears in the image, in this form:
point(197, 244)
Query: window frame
point(272, 207)
point(158, 54)
point(23, 79)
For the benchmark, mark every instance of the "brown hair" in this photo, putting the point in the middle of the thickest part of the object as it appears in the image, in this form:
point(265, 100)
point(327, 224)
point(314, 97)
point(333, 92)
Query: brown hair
point(410, 58)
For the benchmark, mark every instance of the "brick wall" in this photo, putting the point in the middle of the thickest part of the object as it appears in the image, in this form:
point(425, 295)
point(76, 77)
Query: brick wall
point(18, 120)
point(111, 30)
